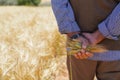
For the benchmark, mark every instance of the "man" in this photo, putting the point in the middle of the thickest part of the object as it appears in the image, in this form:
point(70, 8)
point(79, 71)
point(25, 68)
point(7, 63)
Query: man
point(99, 23)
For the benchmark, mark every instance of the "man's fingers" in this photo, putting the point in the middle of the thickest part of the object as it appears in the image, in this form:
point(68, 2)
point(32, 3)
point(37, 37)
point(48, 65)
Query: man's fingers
point(84, 56)
point(76, 56)
point(83, 51)
point(81, 55)
point(89, 54)
point(85, 43)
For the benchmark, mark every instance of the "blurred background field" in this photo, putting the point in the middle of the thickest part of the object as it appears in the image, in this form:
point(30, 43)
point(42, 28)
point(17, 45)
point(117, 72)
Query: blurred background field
point(30, 42)
point(20, 2)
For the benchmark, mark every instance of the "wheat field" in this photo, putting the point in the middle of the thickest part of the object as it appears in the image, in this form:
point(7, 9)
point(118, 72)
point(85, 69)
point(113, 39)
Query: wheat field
point(29, 44)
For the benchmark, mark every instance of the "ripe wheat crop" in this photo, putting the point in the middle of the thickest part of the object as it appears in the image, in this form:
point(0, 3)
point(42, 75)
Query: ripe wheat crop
point(29, 42)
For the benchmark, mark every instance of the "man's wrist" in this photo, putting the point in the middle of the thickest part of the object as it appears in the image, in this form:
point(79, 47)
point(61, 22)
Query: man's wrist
point(72, 33)
point(76, 36)
point(98, 35)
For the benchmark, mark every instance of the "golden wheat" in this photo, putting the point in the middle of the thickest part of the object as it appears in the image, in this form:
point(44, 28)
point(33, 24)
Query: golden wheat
point(29, 44)
point(74, 46)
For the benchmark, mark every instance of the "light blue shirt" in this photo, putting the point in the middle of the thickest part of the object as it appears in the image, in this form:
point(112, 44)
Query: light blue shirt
point(110, 27)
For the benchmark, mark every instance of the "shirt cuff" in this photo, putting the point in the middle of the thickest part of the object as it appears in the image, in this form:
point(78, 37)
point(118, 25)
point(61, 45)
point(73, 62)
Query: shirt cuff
point(71, 27)
point(103, 29)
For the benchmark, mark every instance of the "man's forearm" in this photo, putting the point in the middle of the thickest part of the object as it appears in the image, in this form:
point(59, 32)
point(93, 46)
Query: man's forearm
point(64, 16)
point(110, 27)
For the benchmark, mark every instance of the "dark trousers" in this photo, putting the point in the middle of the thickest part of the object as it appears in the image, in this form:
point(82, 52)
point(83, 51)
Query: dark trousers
point(87, 69)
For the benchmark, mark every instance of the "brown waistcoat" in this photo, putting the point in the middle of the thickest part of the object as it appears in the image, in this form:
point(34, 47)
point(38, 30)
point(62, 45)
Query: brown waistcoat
point(89, 13)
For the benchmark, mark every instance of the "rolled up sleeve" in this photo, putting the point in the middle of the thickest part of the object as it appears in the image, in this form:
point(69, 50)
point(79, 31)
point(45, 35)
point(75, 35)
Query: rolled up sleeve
point(110, 27)
point(64, 16)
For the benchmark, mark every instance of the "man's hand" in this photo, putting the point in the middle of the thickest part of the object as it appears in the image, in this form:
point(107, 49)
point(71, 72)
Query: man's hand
point(83, 54)
point(94, 38)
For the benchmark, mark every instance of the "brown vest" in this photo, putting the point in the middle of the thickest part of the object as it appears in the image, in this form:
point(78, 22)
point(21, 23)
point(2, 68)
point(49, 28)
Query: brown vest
point(89, 13)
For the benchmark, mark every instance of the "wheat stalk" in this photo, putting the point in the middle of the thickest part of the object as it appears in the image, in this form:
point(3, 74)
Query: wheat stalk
point(75, 46)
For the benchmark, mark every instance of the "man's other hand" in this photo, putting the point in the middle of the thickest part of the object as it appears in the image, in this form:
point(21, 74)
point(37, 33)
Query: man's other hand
point(94, 38)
